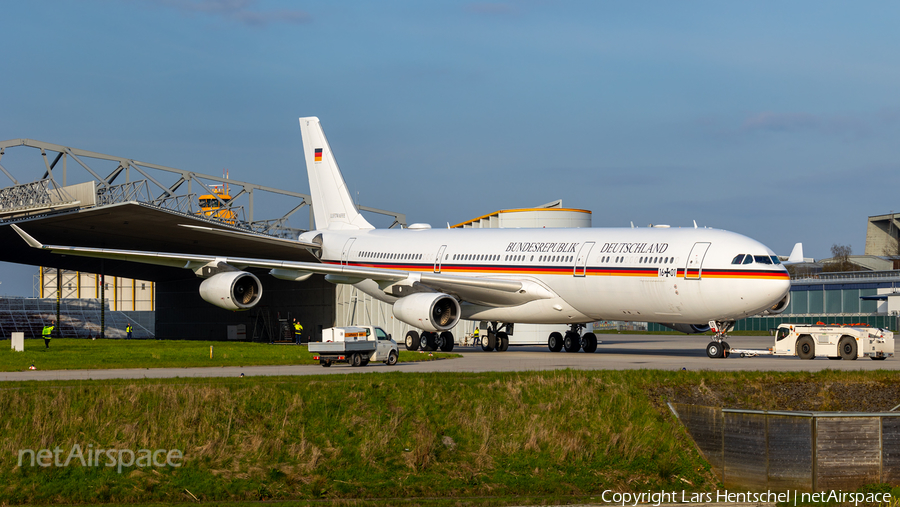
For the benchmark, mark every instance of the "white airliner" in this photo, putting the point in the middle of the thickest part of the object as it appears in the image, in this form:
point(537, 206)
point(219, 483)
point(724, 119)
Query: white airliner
point(685, 278)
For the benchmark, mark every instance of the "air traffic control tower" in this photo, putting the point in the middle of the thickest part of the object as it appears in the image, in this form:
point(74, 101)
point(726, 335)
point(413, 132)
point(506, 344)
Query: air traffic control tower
point(90, 199)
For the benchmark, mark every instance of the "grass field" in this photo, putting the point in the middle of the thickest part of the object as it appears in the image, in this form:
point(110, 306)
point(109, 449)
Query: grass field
point(379, 438)
point(68, 354)
point(388, 436)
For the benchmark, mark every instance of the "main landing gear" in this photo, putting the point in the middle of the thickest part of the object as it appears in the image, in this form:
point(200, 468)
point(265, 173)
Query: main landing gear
point(719, 348)
point(573, 341)
point(429, 341)
point(495, 339)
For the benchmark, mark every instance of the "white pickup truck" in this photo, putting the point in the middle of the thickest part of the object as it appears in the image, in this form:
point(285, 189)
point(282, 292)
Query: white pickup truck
point(355, 345)
point(833, 342)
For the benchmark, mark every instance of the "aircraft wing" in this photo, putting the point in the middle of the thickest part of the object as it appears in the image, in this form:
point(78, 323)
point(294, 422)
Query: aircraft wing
point(485, 291)
point(255, 237)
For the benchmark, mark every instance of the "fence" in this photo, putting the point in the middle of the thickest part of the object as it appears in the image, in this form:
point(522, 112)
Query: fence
point(79, 318)
point(811, 451)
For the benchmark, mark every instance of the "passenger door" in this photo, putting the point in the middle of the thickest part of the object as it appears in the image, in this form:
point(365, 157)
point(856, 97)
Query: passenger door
point(582, 258)
point(439, 259)
point(693, 270)
point(345, 253)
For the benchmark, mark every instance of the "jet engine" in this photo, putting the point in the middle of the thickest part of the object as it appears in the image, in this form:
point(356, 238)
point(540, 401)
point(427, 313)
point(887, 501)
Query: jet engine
point(778, 307)
point(232, 290)
point(688, 328)
point(428, 311)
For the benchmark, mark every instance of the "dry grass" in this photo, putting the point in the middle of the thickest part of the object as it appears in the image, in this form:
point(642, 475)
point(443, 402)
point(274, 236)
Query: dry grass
point(542, 434)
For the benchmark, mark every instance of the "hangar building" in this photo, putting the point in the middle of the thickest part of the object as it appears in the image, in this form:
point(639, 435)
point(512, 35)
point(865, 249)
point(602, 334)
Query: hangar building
point(127, 204)
point(121, 203)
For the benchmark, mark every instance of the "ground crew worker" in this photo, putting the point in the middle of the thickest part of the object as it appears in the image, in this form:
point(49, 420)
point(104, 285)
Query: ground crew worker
point(475, 341)
point(298, 329)
point(128, 329)
point(47, 332)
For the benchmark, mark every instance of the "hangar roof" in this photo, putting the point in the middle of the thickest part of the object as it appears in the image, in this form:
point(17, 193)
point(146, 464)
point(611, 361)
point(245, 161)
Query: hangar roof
point(136, 226)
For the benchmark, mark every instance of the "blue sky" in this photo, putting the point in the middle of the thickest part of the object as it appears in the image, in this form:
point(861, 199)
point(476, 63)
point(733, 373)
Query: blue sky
point(778, 120)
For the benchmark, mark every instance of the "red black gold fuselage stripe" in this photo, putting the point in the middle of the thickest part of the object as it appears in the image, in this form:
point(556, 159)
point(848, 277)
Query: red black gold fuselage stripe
point(499, 269)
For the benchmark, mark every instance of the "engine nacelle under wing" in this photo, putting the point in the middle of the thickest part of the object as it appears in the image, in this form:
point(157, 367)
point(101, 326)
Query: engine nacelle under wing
point(780, 306)
point(688, 328)
point(232, 290)
point(428, 311)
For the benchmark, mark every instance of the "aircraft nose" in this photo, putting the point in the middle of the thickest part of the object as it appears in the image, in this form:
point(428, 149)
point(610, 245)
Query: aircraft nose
point(774, 292)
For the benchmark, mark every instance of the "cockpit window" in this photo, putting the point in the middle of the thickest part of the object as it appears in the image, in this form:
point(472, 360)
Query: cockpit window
point(762, 259)
point(748, 259)
point(738, 259)
point(775, 259)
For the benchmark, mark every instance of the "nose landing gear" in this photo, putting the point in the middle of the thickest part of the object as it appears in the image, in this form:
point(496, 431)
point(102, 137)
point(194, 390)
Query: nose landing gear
point(719, 348)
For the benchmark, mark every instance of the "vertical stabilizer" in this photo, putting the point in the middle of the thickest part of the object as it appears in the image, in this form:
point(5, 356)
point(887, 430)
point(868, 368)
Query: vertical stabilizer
point(796, 256)
point(332, 206)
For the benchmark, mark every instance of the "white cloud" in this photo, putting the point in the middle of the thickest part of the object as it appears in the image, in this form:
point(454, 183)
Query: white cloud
point(855, 124)
point(241, 11)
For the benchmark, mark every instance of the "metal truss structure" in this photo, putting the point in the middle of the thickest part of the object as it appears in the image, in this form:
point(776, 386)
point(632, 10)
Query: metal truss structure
point(154, 185)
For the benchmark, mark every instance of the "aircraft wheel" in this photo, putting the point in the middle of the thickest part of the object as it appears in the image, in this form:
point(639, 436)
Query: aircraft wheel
point(356, 360)
point(486, 344)
point(493, 343)
point(430, 341)
point(446, 341)
point(589, 343)
point(502, 341)
point(847, 348)
point(555, 342)
point(806, 349)
point(412, 340)
point(572, 342)
point(392, 358)
point(714, 350)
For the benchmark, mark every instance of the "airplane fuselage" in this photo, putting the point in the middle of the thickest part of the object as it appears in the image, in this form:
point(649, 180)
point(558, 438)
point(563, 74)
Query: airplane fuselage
point(669, 275)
